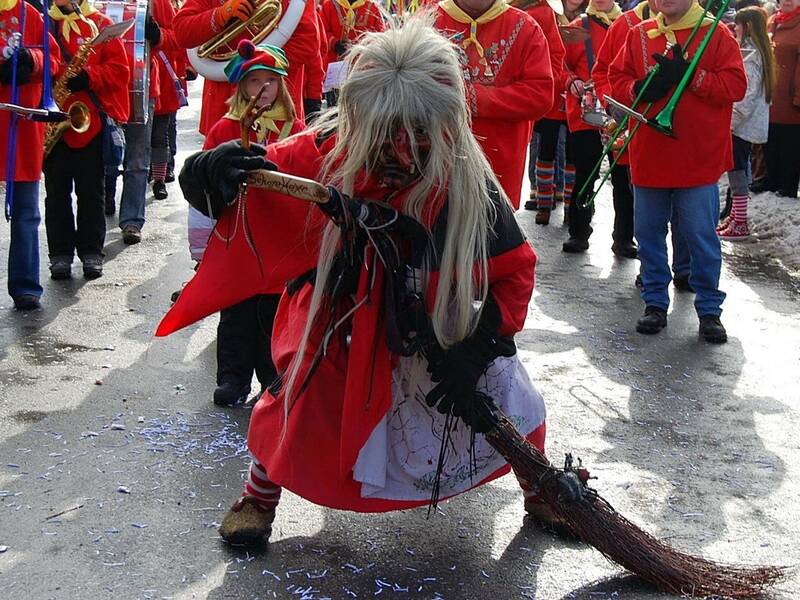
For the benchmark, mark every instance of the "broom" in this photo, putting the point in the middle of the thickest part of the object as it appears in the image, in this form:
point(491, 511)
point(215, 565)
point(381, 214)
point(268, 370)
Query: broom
point(594, 521)
point(583, 511)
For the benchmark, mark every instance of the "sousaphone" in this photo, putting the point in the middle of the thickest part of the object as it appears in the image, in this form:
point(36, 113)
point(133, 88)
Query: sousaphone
point(268, 24)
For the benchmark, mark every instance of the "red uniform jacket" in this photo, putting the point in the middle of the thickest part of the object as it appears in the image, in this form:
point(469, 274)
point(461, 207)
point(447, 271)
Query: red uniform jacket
point(227, 129)
point(506, 100)
point(355, 383)
point(614, 42)
point(193, 26)
point(577, 67)
point(167, 100)
point(108, 72)
point(700, 150)
point(333, 17)
point(30, 134)
point(546, 18)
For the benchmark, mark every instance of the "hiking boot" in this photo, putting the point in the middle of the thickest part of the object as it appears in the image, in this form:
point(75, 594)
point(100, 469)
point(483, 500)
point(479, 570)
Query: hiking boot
point(543, 216)
point(625, 249)
point(653, 320)
point(735, 232)
point(712, 330)
point(92, 266)
point(61, 267)
point(27, 302)
point(230, 394)
point(531, 204)
point(681, 282)
point(575, 245)
point(131, 234)
point(246, 523)
point(160, 190)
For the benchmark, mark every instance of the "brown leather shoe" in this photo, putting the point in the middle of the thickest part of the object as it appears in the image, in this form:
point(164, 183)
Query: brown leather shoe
point(246, 523)
point(131, 234)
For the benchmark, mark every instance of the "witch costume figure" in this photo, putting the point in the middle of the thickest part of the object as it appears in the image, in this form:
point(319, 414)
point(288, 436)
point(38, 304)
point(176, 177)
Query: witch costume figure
point(403, 291)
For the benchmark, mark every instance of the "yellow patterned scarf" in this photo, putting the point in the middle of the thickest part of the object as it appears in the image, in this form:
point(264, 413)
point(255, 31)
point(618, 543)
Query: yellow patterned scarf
point(452, 9)
point(69, 20)
point(607, 18)
point(687, 21)
point(7, 4)
point(350, 10)
point(266, 122)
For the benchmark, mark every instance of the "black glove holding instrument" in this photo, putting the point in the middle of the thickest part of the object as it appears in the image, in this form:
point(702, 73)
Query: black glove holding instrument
point(670, 72)
point(210, 180)
point(340, 47)
point(24, 68)
point(79, 83)
point(457, 370)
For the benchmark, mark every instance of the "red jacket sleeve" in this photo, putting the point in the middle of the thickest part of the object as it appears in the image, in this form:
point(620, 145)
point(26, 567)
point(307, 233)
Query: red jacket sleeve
point(164, 15)
point(528, 97)
point(511, 280)
point(726, 82)
point(111, 70)
point(546, 19)
point(612, 45)
point(622, 72)
point(193, 24)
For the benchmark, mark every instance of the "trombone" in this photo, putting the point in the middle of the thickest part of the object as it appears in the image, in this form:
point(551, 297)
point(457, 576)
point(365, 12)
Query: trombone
point(663, 120)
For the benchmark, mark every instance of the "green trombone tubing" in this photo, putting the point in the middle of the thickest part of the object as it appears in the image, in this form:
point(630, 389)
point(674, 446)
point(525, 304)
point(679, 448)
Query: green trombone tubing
point(623, 124)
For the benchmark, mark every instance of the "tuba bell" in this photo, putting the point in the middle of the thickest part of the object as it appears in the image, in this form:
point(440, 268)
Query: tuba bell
point(268, 24)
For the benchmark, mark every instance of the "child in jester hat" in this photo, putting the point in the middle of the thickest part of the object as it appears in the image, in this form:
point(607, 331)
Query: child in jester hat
point(245, 329)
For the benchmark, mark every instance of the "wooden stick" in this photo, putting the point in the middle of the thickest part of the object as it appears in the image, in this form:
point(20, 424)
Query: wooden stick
point(250, 116)
point(296, 187)
point(63, 512)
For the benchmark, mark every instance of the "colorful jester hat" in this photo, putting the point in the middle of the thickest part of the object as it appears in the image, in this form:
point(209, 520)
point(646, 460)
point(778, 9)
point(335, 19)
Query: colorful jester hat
point(250, 57)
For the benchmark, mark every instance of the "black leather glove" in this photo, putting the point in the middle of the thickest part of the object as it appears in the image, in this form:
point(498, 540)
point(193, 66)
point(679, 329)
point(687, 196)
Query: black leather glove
point(311, 107)
point(672, 68)
point(79, 83)
point(152, 32)
point(190, 74)
point(457, 370)
point(655, 90)
point(24, 68)
point(340, 47)
point(210, 180)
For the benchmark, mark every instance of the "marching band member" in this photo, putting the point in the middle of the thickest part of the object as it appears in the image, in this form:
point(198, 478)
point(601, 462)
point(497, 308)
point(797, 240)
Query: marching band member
point(171, 59)
point(377, 360)
point(77, 158)
point(199, 20)
point(244, 332)
point(548, 127)
point(680, 172)
point(584, 139)
point(343, 22)
point(138, 135)
point(614, 42)
point(508, 79)
point(23, 252)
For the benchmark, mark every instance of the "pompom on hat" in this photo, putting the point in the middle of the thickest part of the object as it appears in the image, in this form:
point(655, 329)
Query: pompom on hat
point(250, 57)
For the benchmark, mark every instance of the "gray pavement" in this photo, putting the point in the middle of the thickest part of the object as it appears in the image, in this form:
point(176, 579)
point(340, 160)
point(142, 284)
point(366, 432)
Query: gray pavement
point(116, 430)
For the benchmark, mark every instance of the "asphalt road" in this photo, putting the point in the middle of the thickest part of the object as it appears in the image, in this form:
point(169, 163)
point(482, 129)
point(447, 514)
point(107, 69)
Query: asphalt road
point(116, 430)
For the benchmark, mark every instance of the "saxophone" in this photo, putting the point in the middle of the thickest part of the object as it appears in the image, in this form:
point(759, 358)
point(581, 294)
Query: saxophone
point(78, 118)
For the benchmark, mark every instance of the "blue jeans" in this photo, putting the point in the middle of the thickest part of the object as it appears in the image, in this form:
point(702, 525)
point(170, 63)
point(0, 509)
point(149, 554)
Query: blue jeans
point(697, 210)
point(680, 249)
point(134, 173)
point(23, 252)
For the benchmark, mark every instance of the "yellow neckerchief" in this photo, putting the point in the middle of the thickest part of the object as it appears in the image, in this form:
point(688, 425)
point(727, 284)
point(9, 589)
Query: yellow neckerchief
point(687, 21)
point(266, 122)
point(69, 19)
point(607, 18)
point(640, 8)
point(452, 9)
point(7, 4)
point(350, 10)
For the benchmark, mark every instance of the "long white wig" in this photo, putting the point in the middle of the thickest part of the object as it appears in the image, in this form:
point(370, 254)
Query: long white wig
point(409, 77)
